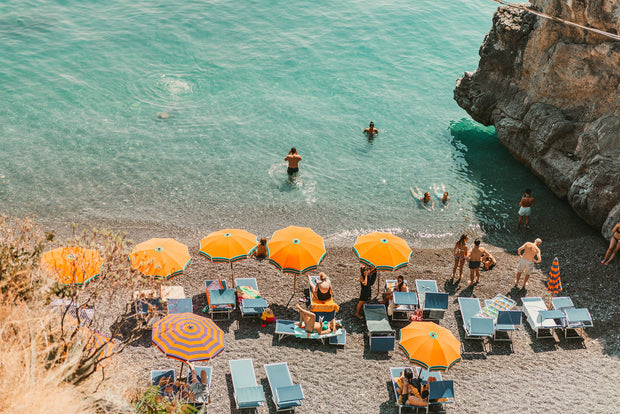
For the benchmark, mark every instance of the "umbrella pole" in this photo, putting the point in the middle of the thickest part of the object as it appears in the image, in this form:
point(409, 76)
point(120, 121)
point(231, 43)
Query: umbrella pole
point(232, 273)
point(295, 285)
point(378, 282)
point(181, 371)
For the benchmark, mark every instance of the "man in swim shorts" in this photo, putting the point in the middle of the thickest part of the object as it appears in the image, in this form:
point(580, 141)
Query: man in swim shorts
point(475, 257)
point(525, 208)
point(293, 159)
point(530, 254)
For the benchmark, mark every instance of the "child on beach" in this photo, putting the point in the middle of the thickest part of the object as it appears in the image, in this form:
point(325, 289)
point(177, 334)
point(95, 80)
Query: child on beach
point(261, 249)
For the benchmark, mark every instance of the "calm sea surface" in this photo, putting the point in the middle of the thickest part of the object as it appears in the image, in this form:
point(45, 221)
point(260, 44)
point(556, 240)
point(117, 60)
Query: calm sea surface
point(83, 87)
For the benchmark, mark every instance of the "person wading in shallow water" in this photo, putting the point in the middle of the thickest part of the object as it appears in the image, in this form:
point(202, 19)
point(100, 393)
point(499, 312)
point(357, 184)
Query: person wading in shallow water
point(525, 208)
point(293, 159)
point(371, 130)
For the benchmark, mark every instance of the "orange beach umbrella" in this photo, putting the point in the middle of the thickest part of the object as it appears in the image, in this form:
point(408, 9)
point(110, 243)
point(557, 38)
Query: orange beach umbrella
point(383, 251)
point(228, 246)
point(296, 250)
point(162, 258)
point(96, 342)
point(429, 346)
point(72, 265)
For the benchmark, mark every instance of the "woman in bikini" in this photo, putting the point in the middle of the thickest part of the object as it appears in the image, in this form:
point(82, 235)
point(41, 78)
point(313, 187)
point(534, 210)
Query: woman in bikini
point(614, 245)
point(307, 320)
point(460, 253)
point(322, 290)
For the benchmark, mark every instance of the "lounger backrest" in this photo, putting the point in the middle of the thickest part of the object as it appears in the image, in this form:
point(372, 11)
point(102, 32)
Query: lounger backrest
point(158, 375)
point(562, 302)
point(207, 370)
point(481, 326)
point(441, 389)
point(469, 308)
point(425, 286)
point(509, 318)
point(242, 373)
point(278, 375)
point(436, 300)
point(248, 281)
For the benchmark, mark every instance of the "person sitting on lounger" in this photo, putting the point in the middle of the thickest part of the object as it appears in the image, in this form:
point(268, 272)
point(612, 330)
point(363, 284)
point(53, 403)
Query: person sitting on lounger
point(322, 290)
point(198, 389)
point(307, 320)
point(410, 389)
point(400, 286)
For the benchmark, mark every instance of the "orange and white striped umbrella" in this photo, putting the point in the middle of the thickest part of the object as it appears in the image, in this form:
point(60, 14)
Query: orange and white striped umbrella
point(72, 265)
point(161, 258)
point(188, 337)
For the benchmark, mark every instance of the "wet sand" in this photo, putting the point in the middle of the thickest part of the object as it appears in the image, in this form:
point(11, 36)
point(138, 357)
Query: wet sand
point(534, 375)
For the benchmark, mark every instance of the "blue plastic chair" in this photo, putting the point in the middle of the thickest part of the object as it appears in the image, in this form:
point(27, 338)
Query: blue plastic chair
point(285, 394)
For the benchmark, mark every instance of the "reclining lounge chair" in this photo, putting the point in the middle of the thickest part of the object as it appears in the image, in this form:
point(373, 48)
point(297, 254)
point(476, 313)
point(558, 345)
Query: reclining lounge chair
point(381, 336)
point(574, 318)
point(180, 305)
point(220, 299)
point(541, 319)
point(250, 302)
point(475, 327)
point(440, 391)
point(247, 393)
point(286, 395)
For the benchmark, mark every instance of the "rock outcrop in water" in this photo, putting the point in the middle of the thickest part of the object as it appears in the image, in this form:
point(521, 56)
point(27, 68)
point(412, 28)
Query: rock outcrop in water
point(552, 93)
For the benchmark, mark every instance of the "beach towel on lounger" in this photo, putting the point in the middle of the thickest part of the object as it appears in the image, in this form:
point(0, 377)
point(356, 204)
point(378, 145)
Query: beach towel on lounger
point(301, 333)
point(247, 292)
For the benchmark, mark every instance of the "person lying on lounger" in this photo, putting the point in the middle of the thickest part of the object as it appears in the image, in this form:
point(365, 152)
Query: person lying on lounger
point(198, 388)
point(410, 389)
point(307, 320)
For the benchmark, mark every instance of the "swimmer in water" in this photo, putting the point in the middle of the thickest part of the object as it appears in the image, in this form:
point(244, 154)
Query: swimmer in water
point(371, 130)
point(293, 159)
point(442, 195)
point(425, 198)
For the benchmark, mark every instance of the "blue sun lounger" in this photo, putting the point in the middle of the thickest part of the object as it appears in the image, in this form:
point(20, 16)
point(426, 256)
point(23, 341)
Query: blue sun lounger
point(247, 393)
point(574, 318)
point(291, 328)
point(220, 299)
point(476, 327)
point(507, 322)
point(438, 390)
point(540, 318)
point(381, 336)
point(254, 306)
point(202, 398)
point(286, 395)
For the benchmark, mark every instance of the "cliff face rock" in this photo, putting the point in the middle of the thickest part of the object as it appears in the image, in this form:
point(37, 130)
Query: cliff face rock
point(552, 93)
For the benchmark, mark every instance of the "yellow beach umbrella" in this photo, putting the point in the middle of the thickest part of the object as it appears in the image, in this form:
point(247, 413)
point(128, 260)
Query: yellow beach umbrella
point(383, 251)
point(72, 265)
point(429, 346)
point(296, 250)
point(228, 246)
point(161, 258)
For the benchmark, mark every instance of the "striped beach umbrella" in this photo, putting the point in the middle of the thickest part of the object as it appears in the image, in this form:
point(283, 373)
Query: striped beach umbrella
point(228, 246)
point(188, 337)
point(429, 346)
point(96, 342)
point(554, 284)
point(72, 265)
point(161, 258)
point(296, 250)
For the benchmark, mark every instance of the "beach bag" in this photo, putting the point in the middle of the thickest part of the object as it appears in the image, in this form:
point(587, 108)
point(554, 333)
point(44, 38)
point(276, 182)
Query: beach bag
point(268, 315)
point(416, 316)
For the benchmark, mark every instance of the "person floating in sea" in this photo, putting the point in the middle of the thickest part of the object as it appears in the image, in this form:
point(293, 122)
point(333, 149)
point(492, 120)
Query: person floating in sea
point(442, 195)
point(425, 198)
point(530, 254)
point(475, 256)
point(614, 245)
point(293, 159)
point(525, 208)
point(371, 130)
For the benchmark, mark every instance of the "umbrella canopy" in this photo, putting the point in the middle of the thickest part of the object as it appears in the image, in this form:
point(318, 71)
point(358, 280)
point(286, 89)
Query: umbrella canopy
point(383, 251)
point(163, 258)
point(228, 245)
point(296, 250)
point(188, 337)
point(72, 265)
point(430, 346)
point(94, 340)
point(554, 284)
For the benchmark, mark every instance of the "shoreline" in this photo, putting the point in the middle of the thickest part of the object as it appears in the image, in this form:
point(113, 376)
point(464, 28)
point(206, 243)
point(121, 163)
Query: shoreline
point(481, 378)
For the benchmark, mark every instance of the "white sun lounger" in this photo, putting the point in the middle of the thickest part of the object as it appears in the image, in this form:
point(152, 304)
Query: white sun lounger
point(540, 318)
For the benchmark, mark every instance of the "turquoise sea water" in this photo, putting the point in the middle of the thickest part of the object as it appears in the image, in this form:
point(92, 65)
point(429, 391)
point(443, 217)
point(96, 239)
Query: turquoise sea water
point(82, 84)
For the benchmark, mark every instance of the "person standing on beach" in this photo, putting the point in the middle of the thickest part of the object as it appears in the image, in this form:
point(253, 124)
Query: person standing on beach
point(530, 254)
point(460, 253)
point(475, 257)
point(371, 130)
point(368, 276)
point(614, 245)
point(293, 159)
point(525, 208)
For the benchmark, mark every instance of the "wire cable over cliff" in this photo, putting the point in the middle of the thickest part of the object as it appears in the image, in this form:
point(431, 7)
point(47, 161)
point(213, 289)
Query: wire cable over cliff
point(557, 19)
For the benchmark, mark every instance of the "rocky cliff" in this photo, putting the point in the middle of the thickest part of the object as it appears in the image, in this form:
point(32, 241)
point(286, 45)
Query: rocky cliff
point(552, 93)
